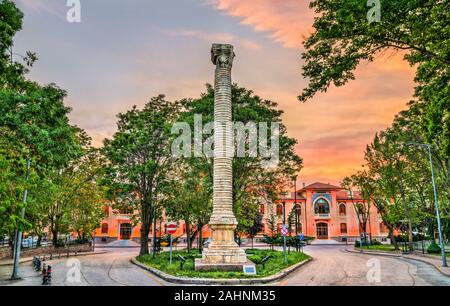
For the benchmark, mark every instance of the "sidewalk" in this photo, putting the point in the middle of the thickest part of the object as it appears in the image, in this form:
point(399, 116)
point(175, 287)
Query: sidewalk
point(429, 259)
point(9, 262)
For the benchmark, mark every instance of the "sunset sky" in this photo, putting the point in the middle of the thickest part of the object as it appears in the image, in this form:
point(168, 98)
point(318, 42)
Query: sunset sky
point(124, 52)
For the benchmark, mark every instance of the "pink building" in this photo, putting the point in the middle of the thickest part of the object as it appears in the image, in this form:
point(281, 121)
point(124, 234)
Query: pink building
point(326, 212)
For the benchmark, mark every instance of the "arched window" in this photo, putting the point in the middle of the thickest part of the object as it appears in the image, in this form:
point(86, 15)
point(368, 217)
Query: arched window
point(343, 228)
point(279, 210)
point(342, 209)
point(105, 228)
point(322, 207)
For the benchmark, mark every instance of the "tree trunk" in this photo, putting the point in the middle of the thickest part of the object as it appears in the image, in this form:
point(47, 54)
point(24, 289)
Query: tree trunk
point(145, 229)
point(39, 241)
point(194, 235)
point(188, 234)
point(55, 238)
point(154, 235)
point(393, 240)
point(200, 238)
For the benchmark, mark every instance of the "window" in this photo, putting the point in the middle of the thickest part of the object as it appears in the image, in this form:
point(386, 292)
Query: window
point(126, 211)
point(343, 228)
point(279, 210)
point(322, 207)
point(105, 228)
point(262, 209)
point(342, 209)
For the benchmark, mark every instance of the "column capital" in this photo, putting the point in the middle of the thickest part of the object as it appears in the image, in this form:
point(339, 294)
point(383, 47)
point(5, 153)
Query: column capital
point(222, 55)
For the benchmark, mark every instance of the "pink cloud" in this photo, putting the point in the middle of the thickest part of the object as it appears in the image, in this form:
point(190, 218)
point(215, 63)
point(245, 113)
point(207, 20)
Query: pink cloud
point(287, 21)
point(217, 37)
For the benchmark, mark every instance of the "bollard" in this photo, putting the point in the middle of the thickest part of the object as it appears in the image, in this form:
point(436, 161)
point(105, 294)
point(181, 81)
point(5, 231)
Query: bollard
point(49, 275)
point(44, 276)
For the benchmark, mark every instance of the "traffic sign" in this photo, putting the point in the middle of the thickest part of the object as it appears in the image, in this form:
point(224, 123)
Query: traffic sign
point(284, 230)
point(301, 237)
point(171, 228)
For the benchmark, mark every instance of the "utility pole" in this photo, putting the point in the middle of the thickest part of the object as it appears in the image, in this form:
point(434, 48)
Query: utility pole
point(438, 214)
point(18, 240)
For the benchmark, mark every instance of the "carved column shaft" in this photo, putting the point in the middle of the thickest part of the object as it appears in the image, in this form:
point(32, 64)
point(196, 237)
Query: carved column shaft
point(222, 251)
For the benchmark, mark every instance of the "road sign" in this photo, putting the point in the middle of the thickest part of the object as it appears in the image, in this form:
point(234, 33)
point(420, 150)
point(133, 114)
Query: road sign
point(284, 230)
point(171, 228)
point(301, 237)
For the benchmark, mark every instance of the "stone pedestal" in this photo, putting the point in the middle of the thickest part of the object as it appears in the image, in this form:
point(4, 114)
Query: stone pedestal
point(223, 253)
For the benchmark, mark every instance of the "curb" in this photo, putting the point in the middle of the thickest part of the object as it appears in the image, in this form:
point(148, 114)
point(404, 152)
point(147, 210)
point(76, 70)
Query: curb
point(366, 252)
point(55, 257)
point(214, 281)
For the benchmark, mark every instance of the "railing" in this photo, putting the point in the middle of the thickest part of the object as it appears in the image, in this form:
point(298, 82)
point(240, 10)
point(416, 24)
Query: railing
point(323, 215)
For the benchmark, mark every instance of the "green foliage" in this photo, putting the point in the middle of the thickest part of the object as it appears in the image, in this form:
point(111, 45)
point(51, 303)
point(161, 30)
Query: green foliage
point(274, 265)
point(140, 160)
point(250, 178)
point(434, 248)
point(375, 242)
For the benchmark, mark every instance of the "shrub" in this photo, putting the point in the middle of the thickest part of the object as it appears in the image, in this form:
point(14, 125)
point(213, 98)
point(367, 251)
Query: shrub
point(375, 242)
point(357, 244)
point(255, 259)
point(434, 248)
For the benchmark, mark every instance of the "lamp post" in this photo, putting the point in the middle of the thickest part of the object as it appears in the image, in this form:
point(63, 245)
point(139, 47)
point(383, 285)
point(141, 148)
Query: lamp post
point(294, 178)
point(441, 238)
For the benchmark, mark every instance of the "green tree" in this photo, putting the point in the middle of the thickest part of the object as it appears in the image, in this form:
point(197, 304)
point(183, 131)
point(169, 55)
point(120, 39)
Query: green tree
point(251, 179)
point(140, 159)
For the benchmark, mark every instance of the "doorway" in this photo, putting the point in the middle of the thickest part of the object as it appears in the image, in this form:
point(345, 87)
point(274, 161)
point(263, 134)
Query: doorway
point(322, 230)
point(125, 231)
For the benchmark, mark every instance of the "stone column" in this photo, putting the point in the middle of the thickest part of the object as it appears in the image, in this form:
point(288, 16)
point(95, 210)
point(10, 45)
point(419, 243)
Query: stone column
point(222, 253)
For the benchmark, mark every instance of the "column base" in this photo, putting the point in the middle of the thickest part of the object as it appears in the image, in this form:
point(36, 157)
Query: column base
point(223, 253)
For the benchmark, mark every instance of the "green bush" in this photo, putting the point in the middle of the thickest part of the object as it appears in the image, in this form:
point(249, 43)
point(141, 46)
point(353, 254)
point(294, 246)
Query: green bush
point(257, 259)
point(434, 248)
point(357, 244)
point(375, 242)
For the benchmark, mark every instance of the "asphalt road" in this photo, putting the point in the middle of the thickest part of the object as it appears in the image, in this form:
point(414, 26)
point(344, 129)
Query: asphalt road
point(332, 266)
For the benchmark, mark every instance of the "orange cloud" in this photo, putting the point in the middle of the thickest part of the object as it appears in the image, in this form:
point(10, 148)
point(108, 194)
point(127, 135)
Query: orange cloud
point(217, 37)
point(287, 21)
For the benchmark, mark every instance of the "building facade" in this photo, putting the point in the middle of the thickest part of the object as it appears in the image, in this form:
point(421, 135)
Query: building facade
point(321, 211)
point(325, 212)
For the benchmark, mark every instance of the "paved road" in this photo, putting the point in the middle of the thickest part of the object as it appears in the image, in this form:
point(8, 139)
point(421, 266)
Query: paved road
point(110, 269)
point(332, 265)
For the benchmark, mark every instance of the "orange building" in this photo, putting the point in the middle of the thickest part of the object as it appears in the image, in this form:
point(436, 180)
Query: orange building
point(324, 211)
point(327, 212)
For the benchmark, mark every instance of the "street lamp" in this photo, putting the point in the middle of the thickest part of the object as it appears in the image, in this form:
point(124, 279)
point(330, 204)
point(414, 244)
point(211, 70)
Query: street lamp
point(441, 238)
point(294, 178)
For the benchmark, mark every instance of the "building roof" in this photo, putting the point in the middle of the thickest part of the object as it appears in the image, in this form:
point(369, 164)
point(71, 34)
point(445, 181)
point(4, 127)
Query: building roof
point(321, 186)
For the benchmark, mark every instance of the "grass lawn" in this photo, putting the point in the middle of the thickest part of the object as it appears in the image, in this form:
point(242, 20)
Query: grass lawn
point(382, 247)
point(274, 265)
